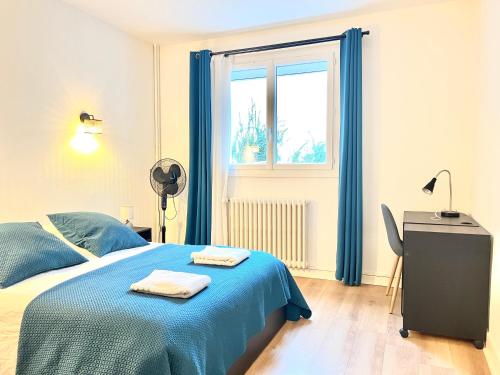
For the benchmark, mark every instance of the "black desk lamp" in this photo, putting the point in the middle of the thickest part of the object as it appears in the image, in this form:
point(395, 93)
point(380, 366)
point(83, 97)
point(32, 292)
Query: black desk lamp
point(429, 189)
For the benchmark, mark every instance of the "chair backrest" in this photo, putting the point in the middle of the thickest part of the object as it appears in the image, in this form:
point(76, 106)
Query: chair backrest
point(392, 231)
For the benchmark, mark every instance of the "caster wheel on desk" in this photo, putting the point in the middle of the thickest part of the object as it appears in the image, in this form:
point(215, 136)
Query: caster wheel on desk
point(478, 344)
point(403, 332)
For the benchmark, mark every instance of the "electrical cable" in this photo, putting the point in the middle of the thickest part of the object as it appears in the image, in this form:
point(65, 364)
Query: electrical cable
point(436, 216)
point(160, 216)
point(175, 208)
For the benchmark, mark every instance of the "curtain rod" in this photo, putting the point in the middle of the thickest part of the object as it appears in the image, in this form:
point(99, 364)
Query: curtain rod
point(283, 45)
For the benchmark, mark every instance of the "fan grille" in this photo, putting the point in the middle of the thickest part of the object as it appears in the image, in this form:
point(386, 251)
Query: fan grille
point(161, 177)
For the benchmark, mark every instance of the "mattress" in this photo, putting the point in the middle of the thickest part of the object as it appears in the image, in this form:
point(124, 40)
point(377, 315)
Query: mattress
point(14, 299)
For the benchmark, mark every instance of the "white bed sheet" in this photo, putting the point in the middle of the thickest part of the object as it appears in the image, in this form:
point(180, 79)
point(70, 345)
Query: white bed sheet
point(14, 299)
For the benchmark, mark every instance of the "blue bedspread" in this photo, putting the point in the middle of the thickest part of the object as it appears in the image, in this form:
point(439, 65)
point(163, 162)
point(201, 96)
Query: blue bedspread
point(93, 324)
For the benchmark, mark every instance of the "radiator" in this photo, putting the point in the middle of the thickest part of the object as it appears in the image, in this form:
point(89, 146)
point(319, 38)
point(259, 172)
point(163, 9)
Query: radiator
point(275, 226)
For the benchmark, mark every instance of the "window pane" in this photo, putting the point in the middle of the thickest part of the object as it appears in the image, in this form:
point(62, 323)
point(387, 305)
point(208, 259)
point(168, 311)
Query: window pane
point(248, 116)
point(301, 106)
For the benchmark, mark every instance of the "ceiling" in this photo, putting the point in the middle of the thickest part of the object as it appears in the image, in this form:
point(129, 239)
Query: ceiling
point(166, 21)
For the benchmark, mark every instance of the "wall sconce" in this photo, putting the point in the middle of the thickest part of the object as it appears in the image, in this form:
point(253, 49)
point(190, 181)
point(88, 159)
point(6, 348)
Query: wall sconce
point(84, 141)
point(91, 125)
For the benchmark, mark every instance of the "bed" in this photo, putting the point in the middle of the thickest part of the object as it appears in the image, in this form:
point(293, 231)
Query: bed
point(84, 319)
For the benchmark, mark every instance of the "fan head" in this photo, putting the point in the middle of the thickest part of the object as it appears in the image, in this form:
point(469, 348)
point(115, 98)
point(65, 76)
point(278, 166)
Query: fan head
point(168, 178)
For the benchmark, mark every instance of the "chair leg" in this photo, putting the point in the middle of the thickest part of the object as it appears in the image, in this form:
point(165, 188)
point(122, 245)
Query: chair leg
point(396, 262)
point(396, 286)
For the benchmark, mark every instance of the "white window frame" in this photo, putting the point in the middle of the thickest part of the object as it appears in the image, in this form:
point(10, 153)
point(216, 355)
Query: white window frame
point(270, 60)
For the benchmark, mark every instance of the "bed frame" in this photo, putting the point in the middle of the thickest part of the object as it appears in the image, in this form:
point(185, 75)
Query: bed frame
point(257, 343)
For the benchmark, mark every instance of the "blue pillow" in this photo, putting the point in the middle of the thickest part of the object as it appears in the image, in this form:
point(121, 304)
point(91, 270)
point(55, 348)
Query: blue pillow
point(98, 233)
point(27, 250)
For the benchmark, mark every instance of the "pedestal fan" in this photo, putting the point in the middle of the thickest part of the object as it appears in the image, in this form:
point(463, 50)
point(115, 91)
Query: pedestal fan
point(168, 179)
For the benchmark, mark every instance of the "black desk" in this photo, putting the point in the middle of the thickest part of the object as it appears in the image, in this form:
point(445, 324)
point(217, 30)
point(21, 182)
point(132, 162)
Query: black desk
point(446, 277)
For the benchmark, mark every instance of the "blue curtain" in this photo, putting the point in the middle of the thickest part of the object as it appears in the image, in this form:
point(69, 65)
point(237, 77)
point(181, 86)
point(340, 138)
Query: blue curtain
point(199, 222)
point(350, 215)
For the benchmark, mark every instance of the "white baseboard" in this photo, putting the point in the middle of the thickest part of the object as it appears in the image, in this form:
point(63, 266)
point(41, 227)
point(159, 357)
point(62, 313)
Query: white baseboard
point(330, 275)
point(314, 274)
point(374, 280)
point(492, 356)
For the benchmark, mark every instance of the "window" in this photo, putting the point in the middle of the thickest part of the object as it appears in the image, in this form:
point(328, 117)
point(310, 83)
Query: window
point(248, 116)
point(282, 110)
point(301, 112)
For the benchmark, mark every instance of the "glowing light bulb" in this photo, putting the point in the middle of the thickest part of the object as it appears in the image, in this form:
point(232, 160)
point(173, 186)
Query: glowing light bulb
point(84, 142)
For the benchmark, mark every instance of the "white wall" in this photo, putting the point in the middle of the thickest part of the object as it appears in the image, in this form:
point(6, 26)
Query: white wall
point(55, 62)
point(487, 178)
point(419, 94)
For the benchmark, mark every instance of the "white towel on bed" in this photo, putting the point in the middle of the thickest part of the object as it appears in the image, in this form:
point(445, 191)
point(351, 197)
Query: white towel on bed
point(220, 256)
point(172, 284)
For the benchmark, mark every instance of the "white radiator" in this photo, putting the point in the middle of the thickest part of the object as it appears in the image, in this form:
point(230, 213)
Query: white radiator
point(274, 226)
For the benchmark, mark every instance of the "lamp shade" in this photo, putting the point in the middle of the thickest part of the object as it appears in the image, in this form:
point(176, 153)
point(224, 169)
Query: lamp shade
point(429, 188)
point(91, 125)
point(126, 213)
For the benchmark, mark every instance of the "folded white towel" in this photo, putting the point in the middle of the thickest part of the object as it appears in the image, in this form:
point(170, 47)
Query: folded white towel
point(172, 284)
point(220, 256)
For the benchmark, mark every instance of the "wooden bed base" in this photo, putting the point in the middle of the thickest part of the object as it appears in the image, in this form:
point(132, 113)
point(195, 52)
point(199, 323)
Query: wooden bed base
point(257, 343)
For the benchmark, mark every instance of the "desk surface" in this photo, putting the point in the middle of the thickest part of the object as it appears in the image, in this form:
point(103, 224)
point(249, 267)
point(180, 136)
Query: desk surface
point(449, 229)
point(422, 217)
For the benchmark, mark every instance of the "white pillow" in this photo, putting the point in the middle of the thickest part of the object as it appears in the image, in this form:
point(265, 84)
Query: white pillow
point(49, 227)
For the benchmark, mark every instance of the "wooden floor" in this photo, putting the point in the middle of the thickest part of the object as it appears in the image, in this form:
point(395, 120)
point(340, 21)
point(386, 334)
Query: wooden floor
point(351, 332)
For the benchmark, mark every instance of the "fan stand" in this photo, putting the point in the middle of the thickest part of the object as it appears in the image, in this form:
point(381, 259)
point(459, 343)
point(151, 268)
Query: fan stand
point(164, 209)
